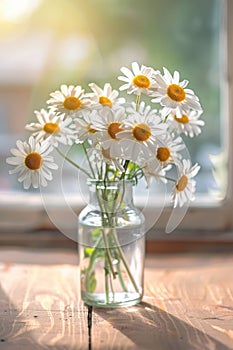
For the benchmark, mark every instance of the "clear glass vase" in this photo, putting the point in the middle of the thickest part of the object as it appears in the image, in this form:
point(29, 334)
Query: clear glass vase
point(111, 241)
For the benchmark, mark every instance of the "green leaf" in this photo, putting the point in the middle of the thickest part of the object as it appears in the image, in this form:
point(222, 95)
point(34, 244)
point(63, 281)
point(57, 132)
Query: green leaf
point(88, 252)
point(91, 282)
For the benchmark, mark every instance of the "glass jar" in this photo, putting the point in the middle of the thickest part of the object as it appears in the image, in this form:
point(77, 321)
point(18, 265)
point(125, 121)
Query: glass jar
point(111, 239)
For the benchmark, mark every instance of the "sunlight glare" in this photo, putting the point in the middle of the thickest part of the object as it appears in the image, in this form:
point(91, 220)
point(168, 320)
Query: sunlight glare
point(14, 10)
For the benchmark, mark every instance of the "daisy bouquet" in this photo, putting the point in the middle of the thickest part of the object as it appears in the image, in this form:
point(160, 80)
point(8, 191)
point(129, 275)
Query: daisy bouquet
point(122, 140)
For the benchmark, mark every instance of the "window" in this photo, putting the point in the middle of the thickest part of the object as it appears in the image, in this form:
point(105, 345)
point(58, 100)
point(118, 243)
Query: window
point(45, 44)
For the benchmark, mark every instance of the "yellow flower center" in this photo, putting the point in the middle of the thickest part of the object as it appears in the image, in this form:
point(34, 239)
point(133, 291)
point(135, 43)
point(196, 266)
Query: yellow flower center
point(33, 161)
point(163, 154)
point(176, 93)
point(141, 132)
point(90, 129)
point(72, 103)
point(141, 81)
point(183, 120)
point(182, 183)
point(113, 129)
point(105, 101)
point(51, 128)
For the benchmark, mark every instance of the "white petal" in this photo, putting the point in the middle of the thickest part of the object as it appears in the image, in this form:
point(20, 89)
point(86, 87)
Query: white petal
point(184, 83)
point(156, 99)
point(107, 89)
point(27, 182)
point(43, 182)
point(135, 68)
point(165, 101)
point(21, 147)
point(127, 80)
point(46, 174)
point(14, 161)
point(64, 89)
point(127, 72)
point(35, 179)
point(17, 169)
point(23, 174)
point(176, 77)
point(124, 87)
point(167, 76)
point(51, 165)
point(96, 89)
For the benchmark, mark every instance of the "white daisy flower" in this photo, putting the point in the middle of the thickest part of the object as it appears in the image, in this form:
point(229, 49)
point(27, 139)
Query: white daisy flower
point(69, 99)
point(173, 95)
point(106, 96)
point(84, 127)
point(53, 127)
point(142, 109)
point(152, 168)
point(139, 80)
point(185, 186)
point(141, 136)
point(109, 123)
point(32, 162)
point(189, 123)
point(167, 152)
point(99, 155)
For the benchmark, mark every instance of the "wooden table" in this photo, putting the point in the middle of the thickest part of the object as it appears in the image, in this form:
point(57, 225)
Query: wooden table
point(188, 304)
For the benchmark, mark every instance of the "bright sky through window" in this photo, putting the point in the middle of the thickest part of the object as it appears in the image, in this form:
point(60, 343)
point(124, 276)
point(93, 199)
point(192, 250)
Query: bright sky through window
point(44, 44)
point(15, 10)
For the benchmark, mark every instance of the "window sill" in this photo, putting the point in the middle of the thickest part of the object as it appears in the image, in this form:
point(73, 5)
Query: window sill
point(20, 212)
point(157, 242)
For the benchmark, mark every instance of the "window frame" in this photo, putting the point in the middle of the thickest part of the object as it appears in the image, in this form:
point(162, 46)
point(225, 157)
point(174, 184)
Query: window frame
point(26, 212)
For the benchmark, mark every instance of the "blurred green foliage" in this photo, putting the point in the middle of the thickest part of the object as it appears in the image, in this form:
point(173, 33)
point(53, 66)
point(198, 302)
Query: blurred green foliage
point(181, 35)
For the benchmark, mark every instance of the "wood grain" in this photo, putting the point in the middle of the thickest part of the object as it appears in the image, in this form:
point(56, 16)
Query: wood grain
point(188, 304)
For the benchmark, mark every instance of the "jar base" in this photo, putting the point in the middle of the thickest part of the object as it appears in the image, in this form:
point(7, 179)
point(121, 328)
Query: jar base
point(118, 300)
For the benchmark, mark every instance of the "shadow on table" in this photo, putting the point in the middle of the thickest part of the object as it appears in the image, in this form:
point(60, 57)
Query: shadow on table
point(149, 328)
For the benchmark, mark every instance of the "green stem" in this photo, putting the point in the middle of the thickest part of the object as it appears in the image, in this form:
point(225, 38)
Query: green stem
point(168, 178)
point(108, 254)
point(109, 269)
point(125, 167)
point(106, 282)
point(134, 175)
point(115, 240)
point(138, 101)
point(87, 156)
point(72, 162)
point(119, 249)
point(105, 238)
point(125, 263)
point(121, 278)
point(106, 173)
point(94, 254)
point(110, 281)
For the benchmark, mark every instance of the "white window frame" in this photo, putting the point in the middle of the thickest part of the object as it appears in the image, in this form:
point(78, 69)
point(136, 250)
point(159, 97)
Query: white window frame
point(26, 211)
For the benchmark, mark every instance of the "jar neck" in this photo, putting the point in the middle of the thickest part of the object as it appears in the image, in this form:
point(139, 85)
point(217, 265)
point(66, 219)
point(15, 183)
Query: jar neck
point(110, 195)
